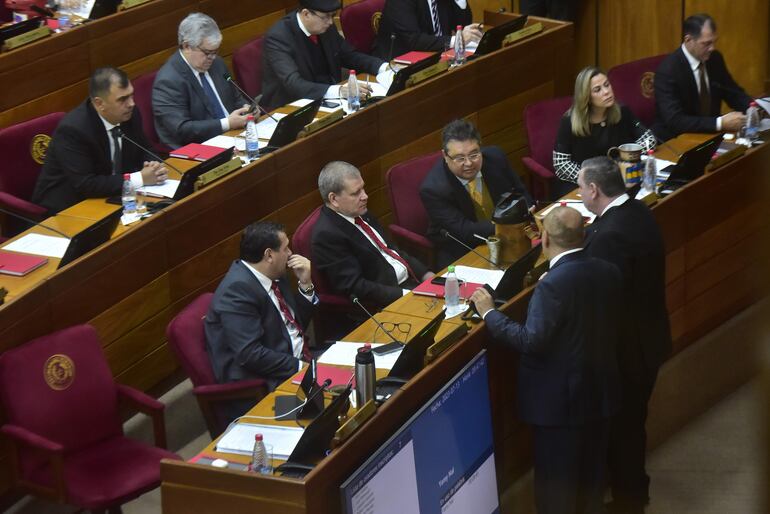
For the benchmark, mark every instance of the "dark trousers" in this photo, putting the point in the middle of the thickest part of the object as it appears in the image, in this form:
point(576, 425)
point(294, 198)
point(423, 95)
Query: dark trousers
point(570, 468)
point(627, 451)
point(554, 9)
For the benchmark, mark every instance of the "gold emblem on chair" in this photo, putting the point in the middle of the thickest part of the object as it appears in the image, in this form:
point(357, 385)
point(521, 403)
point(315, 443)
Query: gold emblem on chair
point(59, 372)
point(376, 17)
point(647, 84)
point(39, 146)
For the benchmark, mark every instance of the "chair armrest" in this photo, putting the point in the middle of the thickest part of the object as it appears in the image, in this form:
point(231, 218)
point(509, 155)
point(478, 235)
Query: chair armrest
point(410, 236)
point(537, 168)
point(23, 207)
point(31, 439)
point(231, 390)
point(54, 452)
point(147, 405)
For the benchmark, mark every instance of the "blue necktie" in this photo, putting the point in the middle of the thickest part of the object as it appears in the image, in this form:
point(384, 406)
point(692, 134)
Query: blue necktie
point(214, 105)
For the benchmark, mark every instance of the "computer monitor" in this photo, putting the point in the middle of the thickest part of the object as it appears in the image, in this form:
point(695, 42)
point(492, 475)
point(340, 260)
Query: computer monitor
point(404, 74)
point(493, 38)
point(91, 237)
point(442, 460)
point(186, 185)
point(513, 279)
point(693, 162)
point(289, 127)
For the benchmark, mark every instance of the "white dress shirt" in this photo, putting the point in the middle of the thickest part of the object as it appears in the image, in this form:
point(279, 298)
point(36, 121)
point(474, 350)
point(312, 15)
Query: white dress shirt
point(136, 177)
point(620, 200)
point(694, 64)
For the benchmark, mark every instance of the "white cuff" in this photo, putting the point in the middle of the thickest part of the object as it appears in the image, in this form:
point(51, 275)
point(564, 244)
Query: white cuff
point(483, 316)
point(405, 292)
point(225, 124)
point(383, 68)
point(333, 92)
point(136, 179)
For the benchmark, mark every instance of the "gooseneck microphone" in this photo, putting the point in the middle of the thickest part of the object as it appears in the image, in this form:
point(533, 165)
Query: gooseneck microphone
point(355, 300)
point(659, 142)
point(390, 51)
point(444, 232)
point(33, 222)
point(149, 152)
point(229, 78)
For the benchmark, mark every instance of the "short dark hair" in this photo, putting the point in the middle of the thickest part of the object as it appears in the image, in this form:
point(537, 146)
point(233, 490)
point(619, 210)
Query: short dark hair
point(459, 130)
point(693, 25)
point(605, 173)
point(103, 78)
point(258, 237)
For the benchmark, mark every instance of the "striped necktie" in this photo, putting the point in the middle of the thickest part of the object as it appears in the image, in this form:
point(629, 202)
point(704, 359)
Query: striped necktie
point(434, 14)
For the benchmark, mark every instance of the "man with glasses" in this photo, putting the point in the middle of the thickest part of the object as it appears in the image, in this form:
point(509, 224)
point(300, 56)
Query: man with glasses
point(462, 188)
point(304, 54)
point(692, 82)
point(191, 99)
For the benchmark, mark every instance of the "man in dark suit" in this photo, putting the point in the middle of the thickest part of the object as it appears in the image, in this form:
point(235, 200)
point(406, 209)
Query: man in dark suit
point(191, 99)
point(692, 82)
point(567, 378)
point(88, 156)
point(255, 326)
point(423, 25)
point(351, 248)
point(303, 56)
point(461, 190)
point(626, 234)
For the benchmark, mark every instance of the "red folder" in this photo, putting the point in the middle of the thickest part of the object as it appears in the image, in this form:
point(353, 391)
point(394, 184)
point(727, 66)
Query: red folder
point(429, 289)
point(197, 152)
point(339, 376)
point(19, 264)
point(412, 57)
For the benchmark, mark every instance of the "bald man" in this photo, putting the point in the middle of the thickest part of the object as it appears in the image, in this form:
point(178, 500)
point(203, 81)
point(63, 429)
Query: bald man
point(568, 377)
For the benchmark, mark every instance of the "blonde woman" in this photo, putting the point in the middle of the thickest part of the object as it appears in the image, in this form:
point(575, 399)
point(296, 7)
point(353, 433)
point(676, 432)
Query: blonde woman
point(594, 124)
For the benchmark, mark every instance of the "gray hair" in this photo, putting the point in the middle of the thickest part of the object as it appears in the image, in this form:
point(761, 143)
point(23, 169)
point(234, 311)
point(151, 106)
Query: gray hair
point(332, 178)
point(198, 27)
point(605, 173)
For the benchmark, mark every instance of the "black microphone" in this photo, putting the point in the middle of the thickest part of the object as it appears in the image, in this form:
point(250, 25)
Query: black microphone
point(33, 222)
point(321, 389)
point(660, 142)
point(253, 101)
point(355, 300)
point(48, 13)
point(444, 232)
point(148, 151)
point(390, 52)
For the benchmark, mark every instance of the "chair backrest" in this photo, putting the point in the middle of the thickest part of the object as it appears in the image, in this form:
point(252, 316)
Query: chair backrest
point(634, 86)
point(187, 340)
point(404, 180)
point(302, 243)
point(143, 98)
point(60, 387)
point(23, 147)
point(360, 22)
point(541, 120)
point(247, 65)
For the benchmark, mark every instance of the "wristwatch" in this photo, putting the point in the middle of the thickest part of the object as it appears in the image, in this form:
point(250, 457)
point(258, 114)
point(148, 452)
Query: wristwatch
point(307, 292)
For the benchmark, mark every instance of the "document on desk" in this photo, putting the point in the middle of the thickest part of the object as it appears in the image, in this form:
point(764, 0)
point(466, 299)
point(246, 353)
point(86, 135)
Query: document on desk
point(165, 190)
point(479, 275)
point(344, 353)
point(266, 127)
point(239, 439)
point(578, 206)
point(302, 102)
point(226, 142)
point(38, 244)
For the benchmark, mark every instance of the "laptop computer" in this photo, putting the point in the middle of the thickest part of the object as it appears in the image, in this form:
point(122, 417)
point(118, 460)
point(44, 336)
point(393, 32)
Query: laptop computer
point(103, 8)
point(289, 127)
point(513, 279)
point(691, 165)
point(187, 182)
point(90, 238)
point(493, 38)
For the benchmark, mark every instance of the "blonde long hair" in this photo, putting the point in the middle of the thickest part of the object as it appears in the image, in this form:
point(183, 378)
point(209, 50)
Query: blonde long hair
point(581, 103)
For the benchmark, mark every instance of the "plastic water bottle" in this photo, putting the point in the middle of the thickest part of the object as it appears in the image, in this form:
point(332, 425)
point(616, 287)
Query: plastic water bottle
point(354, 97)
point(459, 47)
point(752, 122)
point(259, 456)
point(252, 140)
point(451, 289)
point(650, 173)
point(129, 195)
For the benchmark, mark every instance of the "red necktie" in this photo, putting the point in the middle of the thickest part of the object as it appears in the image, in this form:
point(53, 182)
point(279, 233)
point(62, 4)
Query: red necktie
point(313, 38)
point(291, 321)
point(370, 232)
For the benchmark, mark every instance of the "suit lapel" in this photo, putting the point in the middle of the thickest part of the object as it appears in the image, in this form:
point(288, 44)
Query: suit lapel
point(187, 74)
point(461, 195)
point(101, 133)
point(268, 302)
point(300, 40)
point(692, 87)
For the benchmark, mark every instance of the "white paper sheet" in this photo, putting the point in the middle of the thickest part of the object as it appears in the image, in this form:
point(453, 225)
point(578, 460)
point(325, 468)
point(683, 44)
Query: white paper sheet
point(38, 244)
point(240, 439)
point(764, 103)
point(478, 275)
point(344, 354)
point(266, 127)
point(165, 190)
point(578, 206)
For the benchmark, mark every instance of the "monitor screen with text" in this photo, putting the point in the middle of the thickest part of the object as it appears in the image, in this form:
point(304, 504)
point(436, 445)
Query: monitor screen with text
point(441, 461)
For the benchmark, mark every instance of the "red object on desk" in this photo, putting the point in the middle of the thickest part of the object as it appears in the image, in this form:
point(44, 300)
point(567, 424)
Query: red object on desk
point(19, 264)
point(412, 57)
point(427, 288)
point(338, 376)
point(196, 152)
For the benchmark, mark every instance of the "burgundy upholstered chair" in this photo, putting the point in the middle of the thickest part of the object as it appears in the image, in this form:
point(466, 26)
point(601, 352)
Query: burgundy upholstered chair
point(360, 22)
point(541, 119)
point(187, 339)
point(247, 65)
point(64, 427)
point(410, 220)
point(143, 98)
point(633, 84)
point(23, 148)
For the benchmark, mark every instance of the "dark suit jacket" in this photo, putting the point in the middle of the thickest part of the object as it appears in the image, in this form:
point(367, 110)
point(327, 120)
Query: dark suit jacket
point(179, 104)
point(352, 264)
point(568, 369)
point(450, 206)
point(245, 335)
point(628, 236)
point(676, 95)
point(287, 71)
point(412, 23)
point(78, 164)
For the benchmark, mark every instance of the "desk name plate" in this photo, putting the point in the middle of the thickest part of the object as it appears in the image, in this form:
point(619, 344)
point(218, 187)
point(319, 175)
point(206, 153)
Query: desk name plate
point(320, 123)
point(128, 4)
point(430, 71)
point(27, 37)
point(218, 172)
point(521, 34)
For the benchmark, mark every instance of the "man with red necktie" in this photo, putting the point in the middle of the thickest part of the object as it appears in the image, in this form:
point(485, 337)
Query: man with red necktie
point(256, 326)
point(351, 248)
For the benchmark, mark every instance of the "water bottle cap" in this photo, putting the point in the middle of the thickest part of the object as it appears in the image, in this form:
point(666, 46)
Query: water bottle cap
point(352, 72)
point(126, 176)
point(250, 117)
point(753, 104)
point(459, 28)
point(650, 152)
point(258, 437)
point(451, 268)
point(562, 204)
point(367, 346)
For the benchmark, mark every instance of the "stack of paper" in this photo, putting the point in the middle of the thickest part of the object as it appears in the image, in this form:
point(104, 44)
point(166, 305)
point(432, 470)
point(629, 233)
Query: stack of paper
point(344, 354)
point(239, 439)
point(38, 244)
point(479, 275)
point(165, 190)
